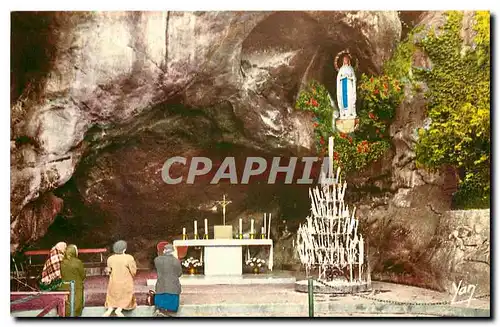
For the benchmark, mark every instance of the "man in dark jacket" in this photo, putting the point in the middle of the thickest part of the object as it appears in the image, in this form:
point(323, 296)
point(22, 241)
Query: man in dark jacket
point(168, 286)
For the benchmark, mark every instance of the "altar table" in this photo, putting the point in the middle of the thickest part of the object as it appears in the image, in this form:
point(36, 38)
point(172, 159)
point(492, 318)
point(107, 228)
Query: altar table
point(225, 256)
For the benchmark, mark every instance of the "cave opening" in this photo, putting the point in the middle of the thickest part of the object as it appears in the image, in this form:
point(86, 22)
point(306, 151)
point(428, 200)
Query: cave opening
point(116, 190)
point(309, 43)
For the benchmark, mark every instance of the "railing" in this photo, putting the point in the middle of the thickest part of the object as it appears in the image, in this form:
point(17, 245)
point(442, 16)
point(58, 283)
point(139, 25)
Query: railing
point(22, 301)
point(34, 267)
point(99, 251)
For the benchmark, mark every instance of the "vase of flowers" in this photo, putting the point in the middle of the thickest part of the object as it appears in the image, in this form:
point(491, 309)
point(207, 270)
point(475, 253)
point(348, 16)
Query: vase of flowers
point(191, 264)
point(255, 264)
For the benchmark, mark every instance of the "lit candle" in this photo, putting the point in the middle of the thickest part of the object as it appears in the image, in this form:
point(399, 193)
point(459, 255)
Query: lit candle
point(195, 227)
point(183, 230)
point(251, 226)
point(241, 226)
point(262, 230)
point(206, 226)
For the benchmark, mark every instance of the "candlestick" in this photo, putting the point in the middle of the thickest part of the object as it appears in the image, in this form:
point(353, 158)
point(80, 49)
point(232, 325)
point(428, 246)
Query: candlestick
point(268, 230)
point(264, 223)
point(262, 232)
point(251, 226)
point(195, 227)
point(241, 226)
point(184, 236)
point(206, 226)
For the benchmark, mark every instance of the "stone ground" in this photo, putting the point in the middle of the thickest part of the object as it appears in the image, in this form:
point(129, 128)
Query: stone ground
point(243, 299)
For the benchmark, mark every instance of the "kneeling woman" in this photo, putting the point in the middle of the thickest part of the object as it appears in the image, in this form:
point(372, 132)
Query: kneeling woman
point(168, 286)
point(72, 269)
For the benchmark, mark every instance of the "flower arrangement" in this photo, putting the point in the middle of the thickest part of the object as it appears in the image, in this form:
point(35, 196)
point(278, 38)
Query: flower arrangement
point(378, 98)
point(255, 264)
point(191, 264)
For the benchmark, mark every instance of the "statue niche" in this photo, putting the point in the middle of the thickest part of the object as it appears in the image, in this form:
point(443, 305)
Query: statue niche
point(346, 94)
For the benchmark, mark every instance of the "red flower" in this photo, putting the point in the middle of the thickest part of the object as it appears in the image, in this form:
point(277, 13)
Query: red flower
point(336, 156)
point(343, 135)
point(314, 103)
point(371, 79)
point(371, 115)
point(322, 140)
point(315, 125)
point(386, 86)
point(375, 91)
point(350, 140)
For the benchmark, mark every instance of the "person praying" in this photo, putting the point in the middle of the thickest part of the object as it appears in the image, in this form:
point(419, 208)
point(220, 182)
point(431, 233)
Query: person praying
point(51, 272)
point(168, 286)
point(346, 89)
point(120, 294)
point(72, 269)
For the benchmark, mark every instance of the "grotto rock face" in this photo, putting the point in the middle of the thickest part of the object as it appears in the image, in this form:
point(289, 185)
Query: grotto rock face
point(102, 81)
point(408, 223)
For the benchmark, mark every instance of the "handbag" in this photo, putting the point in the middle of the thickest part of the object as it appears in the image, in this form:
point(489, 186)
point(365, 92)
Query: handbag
point(151, 298)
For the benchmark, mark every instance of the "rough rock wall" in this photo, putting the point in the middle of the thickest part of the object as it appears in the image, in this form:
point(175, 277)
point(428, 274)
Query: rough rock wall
point(110, 78)
point(403, 220)
point(463, 249)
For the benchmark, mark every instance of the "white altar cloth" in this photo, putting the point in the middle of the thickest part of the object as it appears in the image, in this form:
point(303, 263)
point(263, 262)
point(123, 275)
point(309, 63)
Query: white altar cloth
point(224, 256)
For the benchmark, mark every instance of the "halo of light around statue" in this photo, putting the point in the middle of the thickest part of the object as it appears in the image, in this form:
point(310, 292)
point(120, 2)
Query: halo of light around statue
point(337, 63)
point(329, 241)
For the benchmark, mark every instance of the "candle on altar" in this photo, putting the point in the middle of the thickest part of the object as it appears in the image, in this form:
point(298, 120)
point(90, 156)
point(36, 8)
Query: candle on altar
point(262, 230)
point(251, 226)
point(241, 226)
point(183, 230)
point(206, 226)
point(264, 224)
point(195, 227)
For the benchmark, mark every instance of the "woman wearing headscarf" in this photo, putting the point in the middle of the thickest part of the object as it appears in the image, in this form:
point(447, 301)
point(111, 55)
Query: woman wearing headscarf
point(72, 269)
point(168, 286)
point(51, 273)
point(120, 294)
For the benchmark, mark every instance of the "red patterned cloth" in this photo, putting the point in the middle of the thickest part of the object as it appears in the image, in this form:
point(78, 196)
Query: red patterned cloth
point(52, 268)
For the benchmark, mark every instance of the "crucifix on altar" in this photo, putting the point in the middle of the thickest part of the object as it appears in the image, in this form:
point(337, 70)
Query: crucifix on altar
point(223, 204)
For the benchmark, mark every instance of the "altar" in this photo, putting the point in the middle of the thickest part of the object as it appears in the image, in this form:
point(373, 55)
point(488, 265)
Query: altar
point(224, 257)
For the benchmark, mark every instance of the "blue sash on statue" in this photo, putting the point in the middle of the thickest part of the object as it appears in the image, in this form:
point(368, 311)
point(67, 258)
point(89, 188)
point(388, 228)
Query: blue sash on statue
point(344, 93)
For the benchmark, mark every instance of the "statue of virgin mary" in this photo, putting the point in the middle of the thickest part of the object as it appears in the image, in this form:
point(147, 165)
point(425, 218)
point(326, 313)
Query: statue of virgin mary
point(346, 89)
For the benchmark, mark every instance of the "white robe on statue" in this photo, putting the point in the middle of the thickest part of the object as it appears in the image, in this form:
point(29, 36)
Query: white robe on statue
point(346, 92)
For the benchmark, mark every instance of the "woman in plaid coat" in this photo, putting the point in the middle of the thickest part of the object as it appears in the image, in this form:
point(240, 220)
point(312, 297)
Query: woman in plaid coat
point(51, 273)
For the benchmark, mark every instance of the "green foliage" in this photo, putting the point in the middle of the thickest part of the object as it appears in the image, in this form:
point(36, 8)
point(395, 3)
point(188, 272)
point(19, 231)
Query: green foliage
point(459, 106)
point(399, 67)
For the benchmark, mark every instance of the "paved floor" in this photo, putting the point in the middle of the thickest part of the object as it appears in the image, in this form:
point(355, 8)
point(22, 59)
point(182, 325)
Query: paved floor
point(281, 300)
